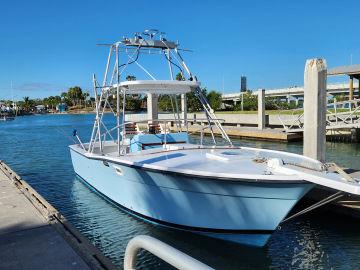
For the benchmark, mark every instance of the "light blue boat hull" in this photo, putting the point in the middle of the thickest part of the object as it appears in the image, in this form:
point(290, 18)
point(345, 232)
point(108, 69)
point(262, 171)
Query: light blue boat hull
point(238, 211)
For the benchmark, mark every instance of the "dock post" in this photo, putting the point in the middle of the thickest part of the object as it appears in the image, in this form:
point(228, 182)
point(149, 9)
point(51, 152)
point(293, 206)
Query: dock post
point(355, 135)
point(315, 108)
point(261, 109)
point(152, 107)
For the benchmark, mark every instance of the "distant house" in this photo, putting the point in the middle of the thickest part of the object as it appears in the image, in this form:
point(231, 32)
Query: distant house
point(61, 107)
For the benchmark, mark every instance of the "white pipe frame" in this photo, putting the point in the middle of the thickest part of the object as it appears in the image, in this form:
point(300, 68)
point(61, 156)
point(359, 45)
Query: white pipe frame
point(102, 98)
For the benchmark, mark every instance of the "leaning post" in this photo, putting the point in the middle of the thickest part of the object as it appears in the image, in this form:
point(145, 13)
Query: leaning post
point(184, 109)
point(261, 109)
point(152, 107)
point(315, 108)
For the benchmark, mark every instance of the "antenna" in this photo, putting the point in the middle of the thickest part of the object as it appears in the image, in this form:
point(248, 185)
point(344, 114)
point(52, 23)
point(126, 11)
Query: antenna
point(151, 33)
point(162, 36)
point(223, 83)
point(12, 93)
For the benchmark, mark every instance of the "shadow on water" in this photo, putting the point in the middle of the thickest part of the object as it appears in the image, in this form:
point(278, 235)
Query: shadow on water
point(37, 149)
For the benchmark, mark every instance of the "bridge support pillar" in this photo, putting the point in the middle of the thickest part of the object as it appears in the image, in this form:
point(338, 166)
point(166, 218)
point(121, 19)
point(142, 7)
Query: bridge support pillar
point(261, 109)
point(351, 88)
point(315, 108)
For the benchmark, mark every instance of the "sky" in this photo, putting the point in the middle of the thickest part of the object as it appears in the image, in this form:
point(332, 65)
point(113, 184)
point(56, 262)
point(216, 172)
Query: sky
point(48, 46)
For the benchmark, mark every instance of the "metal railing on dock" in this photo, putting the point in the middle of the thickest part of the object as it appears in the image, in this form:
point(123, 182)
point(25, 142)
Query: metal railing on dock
point(165, 252)
point(339, 116)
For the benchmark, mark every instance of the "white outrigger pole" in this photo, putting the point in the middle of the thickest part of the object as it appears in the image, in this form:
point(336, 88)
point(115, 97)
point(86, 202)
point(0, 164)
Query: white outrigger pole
point(112, 86)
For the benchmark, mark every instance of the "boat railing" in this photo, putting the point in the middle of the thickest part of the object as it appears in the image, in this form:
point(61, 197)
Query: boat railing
point(201, 130)
point(163, 130)
point(165, 123)
point(169, 254)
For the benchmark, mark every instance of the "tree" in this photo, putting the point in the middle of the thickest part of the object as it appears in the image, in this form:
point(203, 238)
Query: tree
point(214, 98)
point(65, 98)
point(75, 94)
point(85, 97)
point(52, 101)
point(27, 104)
point(133, 103)
point(164, 103)
point(193, 102)
point(250, 102)
point(130, 78)
point(180, 77)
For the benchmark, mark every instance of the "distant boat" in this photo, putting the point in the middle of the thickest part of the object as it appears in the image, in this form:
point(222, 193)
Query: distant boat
point(238, 194)
point(6, 118)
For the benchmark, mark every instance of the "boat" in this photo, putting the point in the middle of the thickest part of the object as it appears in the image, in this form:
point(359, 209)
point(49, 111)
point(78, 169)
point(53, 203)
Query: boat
point(6, 117)
point(154, 169)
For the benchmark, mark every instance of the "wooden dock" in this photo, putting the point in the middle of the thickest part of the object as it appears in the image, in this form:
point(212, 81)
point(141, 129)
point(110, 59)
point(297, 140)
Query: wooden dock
point(34, 235)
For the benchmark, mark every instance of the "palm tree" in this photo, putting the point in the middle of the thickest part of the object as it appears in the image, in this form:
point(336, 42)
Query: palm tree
point(27, 104)
point(85, 97)
point(75, 94)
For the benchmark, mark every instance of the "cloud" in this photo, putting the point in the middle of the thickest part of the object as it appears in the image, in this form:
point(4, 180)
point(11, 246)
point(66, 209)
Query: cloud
point(36, 86)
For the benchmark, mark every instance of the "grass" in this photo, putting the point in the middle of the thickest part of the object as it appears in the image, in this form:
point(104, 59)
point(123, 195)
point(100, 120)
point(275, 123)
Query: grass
point(276, 112)
point(270, 112)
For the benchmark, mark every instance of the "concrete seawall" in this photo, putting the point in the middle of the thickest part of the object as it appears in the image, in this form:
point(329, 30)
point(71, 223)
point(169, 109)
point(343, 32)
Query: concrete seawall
point(236, 125)
point(233, 119)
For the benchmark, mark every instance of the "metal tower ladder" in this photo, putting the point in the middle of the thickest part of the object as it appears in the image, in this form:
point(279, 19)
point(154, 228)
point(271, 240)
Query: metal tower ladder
point(211, 116)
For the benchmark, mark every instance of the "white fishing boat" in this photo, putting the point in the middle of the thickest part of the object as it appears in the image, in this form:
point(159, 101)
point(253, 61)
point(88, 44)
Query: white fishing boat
point(158, 173)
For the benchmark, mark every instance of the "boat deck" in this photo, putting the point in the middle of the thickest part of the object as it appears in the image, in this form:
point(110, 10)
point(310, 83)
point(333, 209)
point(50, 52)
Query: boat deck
point(221, 162)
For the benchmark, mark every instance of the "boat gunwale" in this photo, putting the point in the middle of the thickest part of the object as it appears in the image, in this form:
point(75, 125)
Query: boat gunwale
point(249, 178)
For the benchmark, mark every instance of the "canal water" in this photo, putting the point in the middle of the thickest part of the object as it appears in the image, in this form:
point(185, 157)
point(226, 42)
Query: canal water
point(36, 147)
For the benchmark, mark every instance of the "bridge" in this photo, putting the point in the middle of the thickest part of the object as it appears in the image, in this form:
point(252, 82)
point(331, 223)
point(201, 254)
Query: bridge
point(295, 92)
point(350, 89)
point(341, 117)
